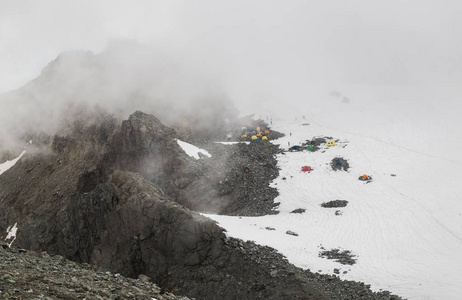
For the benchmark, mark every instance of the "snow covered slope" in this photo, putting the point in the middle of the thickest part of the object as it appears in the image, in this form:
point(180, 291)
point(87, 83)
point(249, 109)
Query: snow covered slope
point(405, 230)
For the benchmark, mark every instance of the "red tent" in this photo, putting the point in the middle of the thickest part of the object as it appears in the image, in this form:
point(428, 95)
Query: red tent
point(306, 169)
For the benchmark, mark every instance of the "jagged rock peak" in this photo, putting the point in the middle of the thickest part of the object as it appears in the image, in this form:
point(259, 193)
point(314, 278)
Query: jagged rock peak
point(146, 124)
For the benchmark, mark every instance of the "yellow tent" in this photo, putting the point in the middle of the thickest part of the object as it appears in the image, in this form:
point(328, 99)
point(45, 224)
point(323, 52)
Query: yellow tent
point(243, 136)
point(330, 143)
point(265, 138)
point(258, 129)
point(254, 137)
point(259, 134)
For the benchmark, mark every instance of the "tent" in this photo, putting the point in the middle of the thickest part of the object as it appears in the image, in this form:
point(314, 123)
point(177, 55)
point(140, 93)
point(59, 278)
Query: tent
point(265, 138)
point(330, 143)
point(337, 162)
point(306, 169)
point(310, 148)
point(295, 148)
point(254, 137)
point(267, 131)
point(365, 177)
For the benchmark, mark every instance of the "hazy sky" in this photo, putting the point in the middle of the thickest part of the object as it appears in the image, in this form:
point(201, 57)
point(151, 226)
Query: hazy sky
point(250, 43)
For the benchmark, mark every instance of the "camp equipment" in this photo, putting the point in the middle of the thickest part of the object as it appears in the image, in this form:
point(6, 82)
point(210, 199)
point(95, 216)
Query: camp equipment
point(330, 143)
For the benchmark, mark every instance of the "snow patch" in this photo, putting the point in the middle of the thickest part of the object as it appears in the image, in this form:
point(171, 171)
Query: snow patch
point(9, 163)
point(11, 233)
point(192, 150)
point(232, 143)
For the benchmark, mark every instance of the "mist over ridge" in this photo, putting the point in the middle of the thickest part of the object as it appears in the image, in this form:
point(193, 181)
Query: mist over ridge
point(126, 77)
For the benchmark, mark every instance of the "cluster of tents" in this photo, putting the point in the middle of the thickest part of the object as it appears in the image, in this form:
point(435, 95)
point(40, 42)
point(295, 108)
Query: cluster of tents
point(255, 134)
point(312, 146)
point(246, 129)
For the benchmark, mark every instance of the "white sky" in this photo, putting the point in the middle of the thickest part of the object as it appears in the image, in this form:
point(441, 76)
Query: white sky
point(263, 42)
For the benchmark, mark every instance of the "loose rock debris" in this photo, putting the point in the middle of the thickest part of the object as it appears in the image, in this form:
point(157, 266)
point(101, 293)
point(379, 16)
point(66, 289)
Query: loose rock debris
point(344, 257)
point(335, 203)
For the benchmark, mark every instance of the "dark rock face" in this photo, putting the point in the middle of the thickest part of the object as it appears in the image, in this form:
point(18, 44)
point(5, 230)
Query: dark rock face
point(152, 234)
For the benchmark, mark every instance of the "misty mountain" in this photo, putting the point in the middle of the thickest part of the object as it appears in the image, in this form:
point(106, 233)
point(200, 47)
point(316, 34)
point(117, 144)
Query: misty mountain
point(124, 196)
point(125, 77)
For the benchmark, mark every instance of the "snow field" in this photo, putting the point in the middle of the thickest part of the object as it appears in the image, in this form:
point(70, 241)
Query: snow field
point(406, 231)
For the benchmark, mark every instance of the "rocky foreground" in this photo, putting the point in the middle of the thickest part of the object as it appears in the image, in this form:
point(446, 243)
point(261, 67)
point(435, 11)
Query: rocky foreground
point(30, 275)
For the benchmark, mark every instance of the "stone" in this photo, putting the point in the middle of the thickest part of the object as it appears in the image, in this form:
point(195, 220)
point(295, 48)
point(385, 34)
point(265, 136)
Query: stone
point(289, 232)
point(335, 203)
